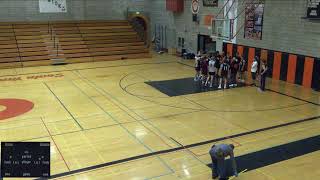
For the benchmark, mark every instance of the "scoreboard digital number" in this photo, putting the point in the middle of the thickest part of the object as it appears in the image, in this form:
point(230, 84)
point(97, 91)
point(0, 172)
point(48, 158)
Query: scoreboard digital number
point(25, 159)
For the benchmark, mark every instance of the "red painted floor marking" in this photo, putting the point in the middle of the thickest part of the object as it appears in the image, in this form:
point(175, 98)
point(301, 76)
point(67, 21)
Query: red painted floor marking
point(14, 107)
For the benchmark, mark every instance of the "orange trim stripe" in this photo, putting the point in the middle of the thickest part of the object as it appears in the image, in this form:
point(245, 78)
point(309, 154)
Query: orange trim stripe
point(251, 55)
point(292, 65)
point(240, 50)
point(276, 65)
point(307, 73)
point(229, 49)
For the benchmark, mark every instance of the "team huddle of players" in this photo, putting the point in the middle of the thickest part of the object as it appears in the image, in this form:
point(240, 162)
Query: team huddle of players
point(220, 68)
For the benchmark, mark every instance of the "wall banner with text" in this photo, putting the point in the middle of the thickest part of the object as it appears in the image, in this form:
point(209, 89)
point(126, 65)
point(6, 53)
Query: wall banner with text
point(52, 6)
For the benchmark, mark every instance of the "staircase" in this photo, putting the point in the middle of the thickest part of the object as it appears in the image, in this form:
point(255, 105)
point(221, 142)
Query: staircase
point(55, 52)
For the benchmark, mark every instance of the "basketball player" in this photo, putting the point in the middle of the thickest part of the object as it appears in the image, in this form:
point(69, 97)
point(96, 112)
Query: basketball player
point(254, 69)
point(234, 70)
point(217, 66)
point(218, 154)
point(197, 65)
point(212, 71)
point(264, 70)
point(204, 69)
point(242, 69)
point(224, 73)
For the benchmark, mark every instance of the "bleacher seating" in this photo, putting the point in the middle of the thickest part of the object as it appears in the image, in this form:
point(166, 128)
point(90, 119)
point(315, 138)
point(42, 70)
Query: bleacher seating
point(32, 44)
point(9, 53)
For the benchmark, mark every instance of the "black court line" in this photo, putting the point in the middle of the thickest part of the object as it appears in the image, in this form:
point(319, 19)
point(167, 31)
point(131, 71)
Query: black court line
point(63, 105)
point(274, 155)
point(185, 64)
point(293, 97)
point(176, 149)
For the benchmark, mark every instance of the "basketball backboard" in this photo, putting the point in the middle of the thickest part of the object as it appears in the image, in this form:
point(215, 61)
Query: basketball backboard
point(222, 29)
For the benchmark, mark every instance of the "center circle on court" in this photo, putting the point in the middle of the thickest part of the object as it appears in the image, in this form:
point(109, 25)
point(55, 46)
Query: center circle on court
point(10, 108)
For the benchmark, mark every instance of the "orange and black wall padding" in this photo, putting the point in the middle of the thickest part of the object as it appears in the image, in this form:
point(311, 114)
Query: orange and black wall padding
point(293, 68)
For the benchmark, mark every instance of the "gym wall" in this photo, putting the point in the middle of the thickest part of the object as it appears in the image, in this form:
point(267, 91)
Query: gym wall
point(181, 23)
point(290, 44)
point(284, 30)
point(28, 10)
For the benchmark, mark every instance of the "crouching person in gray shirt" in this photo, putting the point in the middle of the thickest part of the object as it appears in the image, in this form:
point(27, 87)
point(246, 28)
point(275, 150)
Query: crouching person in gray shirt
point(218, 154)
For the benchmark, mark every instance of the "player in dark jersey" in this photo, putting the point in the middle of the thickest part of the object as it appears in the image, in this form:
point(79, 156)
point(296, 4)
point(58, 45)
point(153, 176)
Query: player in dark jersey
point(224, 73)
point(217, 66)
point(264, 72)
point(234, 70)
point(242, 69)
point(204, 70)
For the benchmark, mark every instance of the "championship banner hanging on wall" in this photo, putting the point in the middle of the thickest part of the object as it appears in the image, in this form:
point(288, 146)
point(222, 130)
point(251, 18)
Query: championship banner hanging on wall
point(253, 21)
point(52, 6)
point(210, 3)
point(195, 6)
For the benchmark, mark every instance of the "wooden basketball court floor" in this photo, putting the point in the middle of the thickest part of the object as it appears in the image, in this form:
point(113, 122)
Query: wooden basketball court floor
point(105, 122)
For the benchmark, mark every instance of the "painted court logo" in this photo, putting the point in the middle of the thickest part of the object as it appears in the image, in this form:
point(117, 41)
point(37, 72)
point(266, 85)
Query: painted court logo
point(14, 108)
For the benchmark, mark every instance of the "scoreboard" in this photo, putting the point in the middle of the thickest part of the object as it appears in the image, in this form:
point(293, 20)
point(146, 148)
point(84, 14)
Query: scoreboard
point(25, 159)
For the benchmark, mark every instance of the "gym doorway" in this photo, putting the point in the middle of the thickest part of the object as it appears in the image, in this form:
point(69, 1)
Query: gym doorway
point(205, 44)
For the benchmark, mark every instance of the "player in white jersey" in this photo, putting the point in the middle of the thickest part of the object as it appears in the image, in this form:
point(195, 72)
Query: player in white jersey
point(197, 67)
point(212, 71)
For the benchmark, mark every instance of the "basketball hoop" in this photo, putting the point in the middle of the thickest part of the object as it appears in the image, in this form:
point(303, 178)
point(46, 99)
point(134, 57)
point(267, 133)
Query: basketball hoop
point(222, 29)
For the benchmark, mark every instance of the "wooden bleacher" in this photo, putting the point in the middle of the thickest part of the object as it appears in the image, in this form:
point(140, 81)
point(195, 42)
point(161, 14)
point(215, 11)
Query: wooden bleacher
point(32, 44)
point(9, 53)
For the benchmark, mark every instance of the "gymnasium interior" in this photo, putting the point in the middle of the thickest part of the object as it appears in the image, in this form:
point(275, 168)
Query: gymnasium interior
point(105, 89)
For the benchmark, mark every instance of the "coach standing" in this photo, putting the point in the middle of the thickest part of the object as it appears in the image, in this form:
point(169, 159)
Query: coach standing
point(264, 72)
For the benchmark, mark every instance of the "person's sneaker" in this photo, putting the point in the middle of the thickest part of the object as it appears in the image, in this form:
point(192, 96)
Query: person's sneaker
point(211, 85)
point(219, 87)
point(235, 85)
point(231, 85)
point(215, 176)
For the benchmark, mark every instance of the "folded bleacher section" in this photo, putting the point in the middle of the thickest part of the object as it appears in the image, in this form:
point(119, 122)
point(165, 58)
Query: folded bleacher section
point(43, 43)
